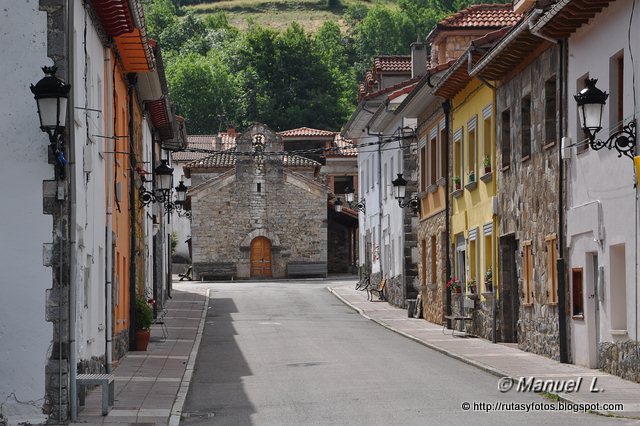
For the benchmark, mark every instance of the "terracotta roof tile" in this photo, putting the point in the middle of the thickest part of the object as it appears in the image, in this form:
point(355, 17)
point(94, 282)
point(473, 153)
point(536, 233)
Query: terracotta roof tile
point(346, 148)
point(481, 16)
point(227, 159)
point(304, 132)
point(392, 64)
point(195, 142)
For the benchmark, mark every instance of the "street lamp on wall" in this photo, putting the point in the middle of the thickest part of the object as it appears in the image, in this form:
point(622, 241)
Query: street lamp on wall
point(348, 195)
point(162, 191)
point(399, 192)
point(338, 205)
point(51, 95)
point(591, 102)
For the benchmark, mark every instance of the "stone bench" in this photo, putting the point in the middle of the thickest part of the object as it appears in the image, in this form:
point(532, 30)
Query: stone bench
point(104, 380)
point(306, 269)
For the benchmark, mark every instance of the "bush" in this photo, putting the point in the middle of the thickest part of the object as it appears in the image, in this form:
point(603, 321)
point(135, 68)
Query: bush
point(144, 314)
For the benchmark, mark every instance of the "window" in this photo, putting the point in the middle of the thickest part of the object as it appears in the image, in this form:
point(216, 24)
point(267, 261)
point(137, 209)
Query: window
point(423, 168)
point(552, 271)
point(340, 183)
point(487, 140)
point(457, 158)
point(618, 284)
point(433, 156)
point(550, 110)
point(488, 278)
point(385, 179)
point(433, 260)
point(444, 167)
point(616, 81)
point(525, 111)
point(582, 136)
point(527, 273)
point(505, 137)
point(577, 306)
point(423, 246)
point(472, 148)
point(473, 262)
point(373, 172)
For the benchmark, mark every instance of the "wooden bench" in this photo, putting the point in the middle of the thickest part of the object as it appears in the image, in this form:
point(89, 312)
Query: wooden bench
point(379, 290)
point(306, 269)
point(454, 319)
point(104, 380)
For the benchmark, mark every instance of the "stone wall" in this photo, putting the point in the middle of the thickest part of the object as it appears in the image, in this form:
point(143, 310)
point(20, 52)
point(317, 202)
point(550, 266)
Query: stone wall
point(620, 359)
point(433, 293)
point(528, 195)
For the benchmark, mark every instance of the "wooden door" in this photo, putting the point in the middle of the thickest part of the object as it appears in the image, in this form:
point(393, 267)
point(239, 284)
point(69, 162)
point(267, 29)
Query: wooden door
point(261, 257)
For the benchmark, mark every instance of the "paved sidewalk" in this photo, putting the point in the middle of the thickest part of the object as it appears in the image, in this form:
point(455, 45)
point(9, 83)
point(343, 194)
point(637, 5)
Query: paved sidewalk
point(151, 386)
point(502, 360)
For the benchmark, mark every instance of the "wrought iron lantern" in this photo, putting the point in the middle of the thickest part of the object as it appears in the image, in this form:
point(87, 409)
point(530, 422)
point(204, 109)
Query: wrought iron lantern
point(591, 102)
point(348, 195)
point(399, 192)
point(164, 178)
point(181, 193)
point(51, 95)
point(338, 205)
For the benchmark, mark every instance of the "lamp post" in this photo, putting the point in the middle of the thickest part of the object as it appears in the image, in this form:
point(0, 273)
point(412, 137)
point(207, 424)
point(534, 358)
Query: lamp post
point(348, 195)
point(51, 95)
point(399, 191)
point(591, 102)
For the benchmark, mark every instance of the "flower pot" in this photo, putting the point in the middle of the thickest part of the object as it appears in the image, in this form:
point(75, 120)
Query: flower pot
point(457, 290)
point(142, 339)
point(487, 169)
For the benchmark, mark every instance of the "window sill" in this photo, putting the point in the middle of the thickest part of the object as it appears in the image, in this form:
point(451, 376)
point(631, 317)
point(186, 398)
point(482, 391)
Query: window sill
point(472, 296)
point(525, 158)
point(618, 333)
point(441, 181)
point(505, 168)
point(486, 177)
point(471, 186)
point(457, 193)
point(527, 305)
point(552, 304)
point(432, 188)
point(549, 145)
point(578, 317)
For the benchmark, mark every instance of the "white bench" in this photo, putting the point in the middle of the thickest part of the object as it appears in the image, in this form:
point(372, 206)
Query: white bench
point(107, 383)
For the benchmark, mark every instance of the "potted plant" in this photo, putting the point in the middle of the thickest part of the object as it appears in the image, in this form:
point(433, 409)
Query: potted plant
point(471, 285)
point(488, 280)
point(487, 164)
point(144, 319)
point(472, 176)
point(456, 182)
point(454, 285)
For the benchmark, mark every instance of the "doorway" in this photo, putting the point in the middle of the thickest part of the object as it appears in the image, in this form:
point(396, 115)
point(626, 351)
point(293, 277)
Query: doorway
point(509, 302)
point(261, 258)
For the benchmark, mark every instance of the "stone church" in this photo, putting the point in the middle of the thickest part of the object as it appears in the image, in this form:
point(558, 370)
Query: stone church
point(256, 212)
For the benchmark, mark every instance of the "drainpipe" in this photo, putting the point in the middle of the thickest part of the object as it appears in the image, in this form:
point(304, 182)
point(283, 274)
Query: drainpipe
point(562, 315)
point(131, 81)
point(73, 262)
point(446, 107)
point(109, 218)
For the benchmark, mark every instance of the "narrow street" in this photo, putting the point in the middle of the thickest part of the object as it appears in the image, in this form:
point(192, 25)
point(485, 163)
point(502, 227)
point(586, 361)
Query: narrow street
point(291, 353)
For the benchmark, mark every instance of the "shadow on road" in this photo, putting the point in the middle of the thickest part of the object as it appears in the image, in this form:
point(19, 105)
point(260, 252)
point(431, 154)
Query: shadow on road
point(216, 394)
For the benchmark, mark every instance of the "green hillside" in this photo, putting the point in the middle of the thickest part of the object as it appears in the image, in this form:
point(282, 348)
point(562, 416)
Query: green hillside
point(279, 14)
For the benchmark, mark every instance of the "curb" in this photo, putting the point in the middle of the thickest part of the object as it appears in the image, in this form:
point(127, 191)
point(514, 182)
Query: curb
point(176, 410)
point(461, 358)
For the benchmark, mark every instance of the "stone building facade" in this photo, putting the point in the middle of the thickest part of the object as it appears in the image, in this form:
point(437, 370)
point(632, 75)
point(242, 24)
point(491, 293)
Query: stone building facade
point(255, 213)
point(528, 199)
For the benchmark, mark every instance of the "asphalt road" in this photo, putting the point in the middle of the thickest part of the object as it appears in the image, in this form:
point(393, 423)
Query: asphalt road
point(290, 353)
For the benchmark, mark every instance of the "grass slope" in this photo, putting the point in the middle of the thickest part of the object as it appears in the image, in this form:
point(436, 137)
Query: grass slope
point(279, 14)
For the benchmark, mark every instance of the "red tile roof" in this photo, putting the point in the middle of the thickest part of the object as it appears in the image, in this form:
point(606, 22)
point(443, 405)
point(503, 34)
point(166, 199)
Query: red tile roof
point(390, 89)
point(342, 148)
point(227, 159)
point(392, 64)
point(204, 142)
point(305, 132)
point(481, 16)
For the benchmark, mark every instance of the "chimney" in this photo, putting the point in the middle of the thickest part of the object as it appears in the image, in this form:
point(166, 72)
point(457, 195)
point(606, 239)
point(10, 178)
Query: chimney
point(418, 59)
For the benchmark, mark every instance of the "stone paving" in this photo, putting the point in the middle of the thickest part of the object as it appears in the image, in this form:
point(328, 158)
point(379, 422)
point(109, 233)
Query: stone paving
point(151, 385)
point(502, 360)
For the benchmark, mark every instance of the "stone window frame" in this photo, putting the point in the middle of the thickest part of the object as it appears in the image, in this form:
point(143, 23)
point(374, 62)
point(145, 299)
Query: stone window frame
point(550, 111)
point(526, 126)
point(577, 293)
point(487, 129)
point(458, 147)
point(472, 128)
point(443, 163)
point(433, 156)
point(422, 148)
point(472, 238)
point(487, 232)
point(506, 146)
